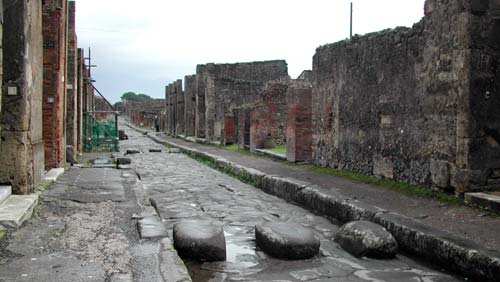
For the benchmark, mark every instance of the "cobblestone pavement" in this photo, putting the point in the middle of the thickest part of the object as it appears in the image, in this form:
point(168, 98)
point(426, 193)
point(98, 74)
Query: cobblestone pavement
point(184, 188)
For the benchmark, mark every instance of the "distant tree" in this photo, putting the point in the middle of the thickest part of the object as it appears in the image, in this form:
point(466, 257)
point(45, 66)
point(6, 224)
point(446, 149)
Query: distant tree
point(144, 97)
point(133, 96)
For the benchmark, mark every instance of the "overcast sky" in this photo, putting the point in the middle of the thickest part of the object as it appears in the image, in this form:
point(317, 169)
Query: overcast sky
point(143, 45)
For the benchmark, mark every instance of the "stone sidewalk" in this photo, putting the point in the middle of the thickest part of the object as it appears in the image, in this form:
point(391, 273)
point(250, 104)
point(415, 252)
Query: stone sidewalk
point(459, 238)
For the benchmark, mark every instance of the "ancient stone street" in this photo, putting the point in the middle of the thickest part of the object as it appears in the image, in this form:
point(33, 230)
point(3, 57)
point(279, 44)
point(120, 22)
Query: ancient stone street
point(182, 188)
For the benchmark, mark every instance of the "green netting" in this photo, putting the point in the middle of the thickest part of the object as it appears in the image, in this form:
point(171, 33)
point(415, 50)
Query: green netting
point(100, 135)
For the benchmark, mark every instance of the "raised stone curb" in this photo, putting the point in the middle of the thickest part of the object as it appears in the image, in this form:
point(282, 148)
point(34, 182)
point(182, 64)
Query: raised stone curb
point(443, 249)
point(172, 267)
point(151, 227)
point(490, 202)
point(5, 192)
point(53, 174)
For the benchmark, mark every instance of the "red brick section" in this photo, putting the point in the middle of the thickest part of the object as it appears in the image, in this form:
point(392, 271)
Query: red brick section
point(54, 20)
point(299, 124)
point(269, 117)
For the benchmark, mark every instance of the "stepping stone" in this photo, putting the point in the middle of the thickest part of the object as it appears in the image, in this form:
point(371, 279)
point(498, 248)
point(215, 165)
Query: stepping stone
point(123, 161)
point(286, 240)
point(365, 238)
point(17, 209)
point(155, 150)
point(152, 227)
point(5, 192)
point(132, 151)
point(200, 239)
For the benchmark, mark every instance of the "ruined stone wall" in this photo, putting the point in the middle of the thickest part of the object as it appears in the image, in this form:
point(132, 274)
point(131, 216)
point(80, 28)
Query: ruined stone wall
point(403, 103)
point(71, 82)
point(299, 122)
point(146, 113)
point(200, 120)
point(269, 117)
point(225, 85)
point(180, 125)
point(190, 104)
point(21, 150)
point(54, 82)
point(172, 109)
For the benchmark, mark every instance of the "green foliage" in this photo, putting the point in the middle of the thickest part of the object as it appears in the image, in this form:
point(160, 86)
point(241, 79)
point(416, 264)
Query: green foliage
point(280, 150)
point(134, 96)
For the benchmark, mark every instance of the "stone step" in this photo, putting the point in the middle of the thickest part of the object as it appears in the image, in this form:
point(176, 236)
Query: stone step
point(5, 192)
point(484, 200)
point(17, 209)
point(53, 174)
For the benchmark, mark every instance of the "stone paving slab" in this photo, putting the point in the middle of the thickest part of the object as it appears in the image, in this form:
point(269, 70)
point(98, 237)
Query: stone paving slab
point(17, 209)
point(412, 236)
point(53, 174)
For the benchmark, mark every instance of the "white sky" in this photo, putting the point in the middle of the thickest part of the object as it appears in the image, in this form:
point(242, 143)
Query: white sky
point(143, 45)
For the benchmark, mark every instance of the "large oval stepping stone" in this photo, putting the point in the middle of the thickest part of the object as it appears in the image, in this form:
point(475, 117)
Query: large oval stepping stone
point(200, 240)
point(364, 238)
point(286, 240)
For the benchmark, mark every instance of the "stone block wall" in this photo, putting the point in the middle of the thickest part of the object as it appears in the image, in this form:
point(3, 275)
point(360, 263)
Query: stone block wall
point(269, 117)
point(200, 120)
point(54, 83)
point(180, 126)
point(71, 82)
point(21, 150)
point(414, 105)
point(171, 100)
point(242, 117)
point(190, 104)
point(299, 122)
point(225, 87)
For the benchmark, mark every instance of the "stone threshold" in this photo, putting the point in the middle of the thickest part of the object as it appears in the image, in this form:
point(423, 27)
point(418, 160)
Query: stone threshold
point(264, 152)
point(441, 248)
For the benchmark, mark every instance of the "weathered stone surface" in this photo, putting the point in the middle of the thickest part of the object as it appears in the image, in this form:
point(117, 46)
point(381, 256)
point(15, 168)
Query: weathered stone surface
point(365, 238)
point(5, 192)
point(152, 227)
point(70, 155)
point(491, 202)
point(401, 103)
point(155, 150)
point(174, 151)
point(286, 240)
point(172, 267)
point(200, 239)
point(17, 209)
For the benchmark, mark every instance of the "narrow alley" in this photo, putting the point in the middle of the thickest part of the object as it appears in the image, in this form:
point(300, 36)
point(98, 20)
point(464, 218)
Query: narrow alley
point(86, 228)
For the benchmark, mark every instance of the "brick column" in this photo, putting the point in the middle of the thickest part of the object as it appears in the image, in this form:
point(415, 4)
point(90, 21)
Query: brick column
point(299, 124)
point(190, 104)
point(179, 112)
point(200, 107)
point(79, 94)
point(71, 85)
point(54, 81)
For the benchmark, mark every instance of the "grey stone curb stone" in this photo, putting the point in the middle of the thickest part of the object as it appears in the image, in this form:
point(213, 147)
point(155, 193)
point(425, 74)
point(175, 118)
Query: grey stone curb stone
point(441, 248)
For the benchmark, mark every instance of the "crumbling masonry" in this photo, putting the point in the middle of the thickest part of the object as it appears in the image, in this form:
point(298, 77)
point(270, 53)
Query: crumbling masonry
point(416, 105)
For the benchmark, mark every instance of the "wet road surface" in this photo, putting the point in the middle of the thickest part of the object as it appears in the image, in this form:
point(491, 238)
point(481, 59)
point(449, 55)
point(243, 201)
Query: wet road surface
point(183, 188)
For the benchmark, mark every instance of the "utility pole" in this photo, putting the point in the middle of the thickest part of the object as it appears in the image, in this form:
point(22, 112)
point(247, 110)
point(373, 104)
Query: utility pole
point(350, 33)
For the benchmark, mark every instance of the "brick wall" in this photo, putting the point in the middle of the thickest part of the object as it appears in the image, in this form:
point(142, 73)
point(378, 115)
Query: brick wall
point(268, 117)
point(225, 86)
point(299, 122)
point(190, 104)
point(21, 150)
point(417, 105)
point(71, 82)
point(200, 120)
point(54, 81)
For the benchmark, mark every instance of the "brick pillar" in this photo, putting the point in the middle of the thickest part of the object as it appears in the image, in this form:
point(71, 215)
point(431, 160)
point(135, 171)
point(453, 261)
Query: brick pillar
point(299, 124)
point(21, 149)
point(79, 94)
point(167, 110)
point(54, 81)
point(71, 82)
